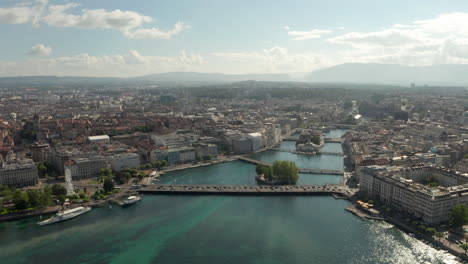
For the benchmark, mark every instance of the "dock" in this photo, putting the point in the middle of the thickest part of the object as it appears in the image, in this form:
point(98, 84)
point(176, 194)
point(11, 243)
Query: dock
point(330, 189)
point(301, 170)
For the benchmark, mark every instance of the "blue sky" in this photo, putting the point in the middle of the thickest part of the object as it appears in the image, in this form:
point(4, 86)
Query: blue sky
point(128, 38)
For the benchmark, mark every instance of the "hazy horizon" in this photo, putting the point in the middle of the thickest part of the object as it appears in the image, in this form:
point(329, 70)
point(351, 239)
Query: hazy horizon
point(125, 39)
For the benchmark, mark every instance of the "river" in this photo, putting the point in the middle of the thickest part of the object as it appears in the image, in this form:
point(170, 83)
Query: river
point(220, 229)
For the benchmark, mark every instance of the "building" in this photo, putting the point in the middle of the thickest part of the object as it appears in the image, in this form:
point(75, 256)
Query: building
point(58, 158)
point(256, 140)
point(187, 155)
point(408, 190)
point(99, 139)
point(19, 174)
point(158, 155)
point(118, 162)
point(436, 159)
point(462, 166)
point(241, 145)
point(173, 156)
point(85, 168)
point(205, 150)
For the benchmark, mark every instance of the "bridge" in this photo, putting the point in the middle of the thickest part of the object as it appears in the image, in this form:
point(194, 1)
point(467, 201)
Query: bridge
point(332, 189)
point(327, 140)
point(308, 153)
point(309, 171)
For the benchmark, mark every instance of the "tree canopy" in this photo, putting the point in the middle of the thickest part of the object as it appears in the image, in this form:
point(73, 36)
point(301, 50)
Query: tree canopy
point(282, 171)
point(108, 185)
point(459, 216)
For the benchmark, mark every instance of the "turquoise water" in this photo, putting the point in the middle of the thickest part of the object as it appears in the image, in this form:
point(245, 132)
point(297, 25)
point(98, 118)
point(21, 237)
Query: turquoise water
point(328, 162)
point(234, 173)
point(215, 229)
point(219, 229)
point(335, 133)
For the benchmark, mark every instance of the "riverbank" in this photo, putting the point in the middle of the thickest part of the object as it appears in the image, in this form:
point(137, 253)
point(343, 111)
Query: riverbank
point(54, 209)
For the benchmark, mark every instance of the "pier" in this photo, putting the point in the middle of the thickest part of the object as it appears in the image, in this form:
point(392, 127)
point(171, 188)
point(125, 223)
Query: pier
point(301, 170)
point(331, 189)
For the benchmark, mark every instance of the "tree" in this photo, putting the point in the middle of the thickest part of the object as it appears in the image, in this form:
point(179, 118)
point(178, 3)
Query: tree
point(45, 169)
point(209, 157)
point(439, 235)
point(464, 247)
point(108, 185)
point(431, 230)
point(281, 171)
point(122, 178)
point(141, 176)
point(146, 166)
point(20, 199)
point(42, 169)
point(164, 163)
point(286, 171)
point(39, 199)
point(2, 209)
point(58, 190)
point(157, 164)
point(459, 216)
point(105, 173)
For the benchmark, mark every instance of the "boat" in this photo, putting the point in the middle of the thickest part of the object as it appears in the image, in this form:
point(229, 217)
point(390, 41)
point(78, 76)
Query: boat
point(131, 200)
point(65, 215)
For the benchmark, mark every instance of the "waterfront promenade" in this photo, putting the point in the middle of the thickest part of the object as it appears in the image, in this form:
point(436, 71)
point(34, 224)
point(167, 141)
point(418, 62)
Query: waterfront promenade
point(301, 170)
point(247, 189)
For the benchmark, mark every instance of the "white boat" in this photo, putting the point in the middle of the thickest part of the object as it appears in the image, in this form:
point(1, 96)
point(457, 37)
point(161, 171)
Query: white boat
point(131, 200)
point(65, 215)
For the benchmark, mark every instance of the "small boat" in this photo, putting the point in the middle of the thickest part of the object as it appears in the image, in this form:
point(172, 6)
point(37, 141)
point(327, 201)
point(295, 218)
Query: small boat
point(131, 200)
point(65, 215)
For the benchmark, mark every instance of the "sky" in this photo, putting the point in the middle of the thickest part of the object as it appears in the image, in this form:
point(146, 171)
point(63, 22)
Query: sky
point(124, 38)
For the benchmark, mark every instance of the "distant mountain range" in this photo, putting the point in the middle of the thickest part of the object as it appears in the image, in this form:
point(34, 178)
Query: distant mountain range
point(449, 74)
point(211, 77)
point(358, 73)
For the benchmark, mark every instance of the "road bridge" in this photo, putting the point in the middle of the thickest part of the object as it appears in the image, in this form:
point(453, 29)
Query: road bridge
point(247, 189)
point(326, 140)
point(308, 153)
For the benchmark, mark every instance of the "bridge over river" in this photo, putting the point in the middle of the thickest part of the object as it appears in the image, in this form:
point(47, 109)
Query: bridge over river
point(307, 153)
point(327, 140)
point(301, 170)
point(332, 189)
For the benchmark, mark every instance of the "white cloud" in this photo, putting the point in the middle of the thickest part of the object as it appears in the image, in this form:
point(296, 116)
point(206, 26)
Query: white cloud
point(272, 60)
point(40, 50)
point(156, 33)
point(16, 15)
point(439, 40)
point(23, 13)
point(120, 65)
point(311, 34)
point(129, 23)
point(389, 37)
point(58, 16)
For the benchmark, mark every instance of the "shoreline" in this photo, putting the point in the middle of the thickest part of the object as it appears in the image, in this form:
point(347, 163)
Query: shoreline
point(403, 227)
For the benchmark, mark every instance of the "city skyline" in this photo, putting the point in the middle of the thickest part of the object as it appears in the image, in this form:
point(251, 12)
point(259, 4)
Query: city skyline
point(119, 38)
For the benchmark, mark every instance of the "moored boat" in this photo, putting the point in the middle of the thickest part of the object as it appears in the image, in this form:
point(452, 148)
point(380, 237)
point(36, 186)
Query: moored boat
point(65, 215)
point(131, 200)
